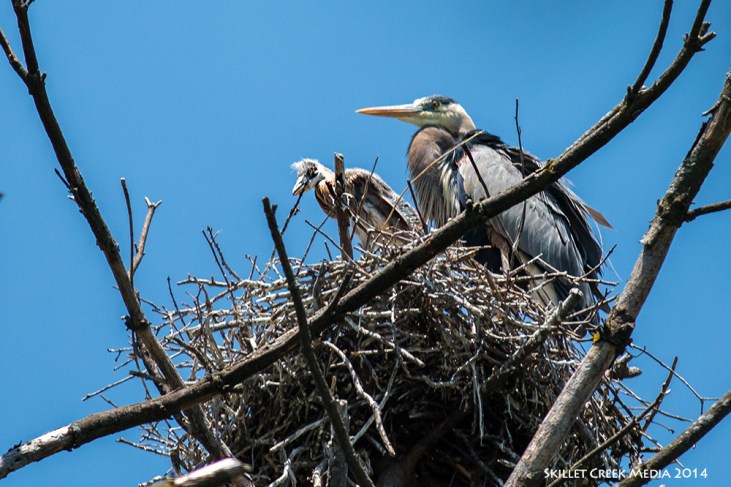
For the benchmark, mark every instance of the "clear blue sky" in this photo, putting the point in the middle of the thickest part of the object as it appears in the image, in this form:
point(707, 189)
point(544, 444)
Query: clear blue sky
point(205, 106)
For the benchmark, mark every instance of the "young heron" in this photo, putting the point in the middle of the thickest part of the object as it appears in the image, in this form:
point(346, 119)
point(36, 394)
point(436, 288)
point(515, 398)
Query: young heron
point(374, 207)
point(551, 225)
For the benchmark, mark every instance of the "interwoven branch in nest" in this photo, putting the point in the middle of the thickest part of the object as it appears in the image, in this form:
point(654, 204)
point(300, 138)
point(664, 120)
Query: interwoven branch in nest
point(448, 367)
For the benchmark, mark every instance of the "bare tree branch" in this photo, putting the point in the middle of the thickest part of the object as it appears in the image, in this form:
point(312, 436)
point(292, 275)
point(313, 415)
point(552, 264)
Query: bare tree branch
point(305, 339)
point(656, 48)
point(619, 325)
point(140, 253)
point(704, 210)
point(137, 322)
point(341, 211)
point(682, 443)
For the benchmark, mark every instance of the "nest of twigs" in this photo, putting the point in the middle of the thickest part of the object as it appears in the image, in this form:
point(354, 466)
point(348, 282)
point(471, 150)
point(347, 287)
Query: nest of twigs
point(451, 371)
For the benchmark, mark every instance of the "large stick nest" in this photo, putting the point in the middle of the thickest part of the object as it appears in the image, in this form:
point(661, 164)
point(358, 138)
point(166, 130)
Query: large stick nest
point(420, 371)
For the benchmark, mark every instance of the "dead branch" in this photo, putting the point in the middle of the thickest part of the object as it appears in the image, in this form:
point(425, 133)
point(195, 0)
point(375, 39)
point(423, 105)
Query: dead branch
point(705, 210)
point(305, 338)
point(620, 322)
point(136, 321)
point(682, 443)
point(140, 248)
point(341, 208)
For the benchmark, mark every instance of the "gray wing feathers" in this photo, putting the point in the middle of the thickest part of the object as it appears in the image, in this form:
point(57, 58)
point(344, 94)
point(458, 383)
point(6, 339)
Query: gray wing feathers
point(539, 224)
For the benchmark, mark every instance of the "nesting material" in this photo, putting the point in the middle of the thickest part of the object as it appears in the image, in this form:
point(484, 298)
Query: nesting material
point(437, 368)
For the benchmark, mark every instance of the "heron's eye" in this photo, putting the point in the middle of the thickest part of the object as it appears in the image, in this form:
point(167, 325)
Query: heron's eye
point(311, 172)
point(434, 105)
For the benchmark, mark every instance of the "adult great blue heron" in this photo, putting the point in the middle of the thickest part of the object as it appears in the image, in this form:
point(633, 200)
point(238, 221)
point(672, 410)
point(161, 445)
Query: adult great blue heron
point(552, 225)
point(374, 206)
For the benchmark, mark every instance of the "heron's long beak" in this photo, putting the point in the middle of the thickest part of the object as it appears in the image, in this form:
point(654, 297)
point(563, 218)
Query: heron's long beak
point(301, 185)
point(393, 111)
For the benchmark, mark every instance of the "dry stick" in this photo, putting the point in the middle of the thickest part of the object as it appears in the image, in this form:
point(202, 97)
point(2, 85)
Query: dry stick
point(368, 398)
point(682, 379)
point(681, 444)
point(363, 198)
point(522, 169)
point(652, 409)
point(619, 325)
point(663, 392)
point(656, 48)
point(151, 207)
point(98, 425)
point(513, 364)
point(609, 441)
point(305, 339)
point(136, 321)
point(704, 210)
point(123, 182)
point(424, 226)
point(340, 207)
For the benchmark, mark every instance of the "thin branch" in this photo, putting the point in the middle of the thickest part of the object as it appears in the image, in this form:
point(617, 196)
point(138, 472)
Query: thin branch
point(424, 226)
point(704, 210)
point(681, 444)
point(341, 209)
point(612, 439)
point(305, 339)
point(656, 48)
point(363, 394)
point(12, 58)
point(619, 324)
point(662, 394)
point(140, 250)
point(131, 274)
point(365, 194)
point(136, 321)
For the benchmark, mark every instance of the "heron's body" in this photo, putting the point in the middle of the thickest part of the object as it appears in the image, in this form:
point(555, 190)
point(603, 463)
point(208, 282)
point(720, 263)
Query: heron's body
point(375, 207)
point(551, 225)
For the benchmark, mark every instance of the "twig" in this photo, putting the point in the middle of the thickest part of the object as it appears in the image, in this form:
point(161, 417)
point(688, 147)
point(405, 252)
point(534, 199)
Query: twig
point(106, 388)
point(700, 398)
point(655, 51)
point(514, 247)
point(368, 398)
point(704, 210)
point(512, 365)
point(123, 182)
point(681, 444)
point(424, 226)
point(12, 58)
point(611, 440)
point(363, 197)
point(305, 339)
point(661, 395)
point(140, 251)
point(341, 208)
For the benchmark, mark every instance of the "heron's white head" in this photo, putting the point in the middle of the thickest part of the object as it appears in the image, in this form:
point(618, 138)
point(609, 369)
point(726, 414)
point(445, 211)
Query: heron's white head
point(436, 110)
point(309, 173)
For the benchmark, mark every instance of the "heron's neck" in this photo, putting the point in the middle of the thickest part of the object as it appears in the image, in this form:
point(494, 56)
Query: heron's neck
point(433, 181)
point(465, 125)
point(324, 197)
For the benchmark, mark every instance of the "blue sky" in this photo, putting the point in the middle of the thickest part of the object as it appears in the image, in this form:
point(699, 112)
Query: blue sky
point(205, 107)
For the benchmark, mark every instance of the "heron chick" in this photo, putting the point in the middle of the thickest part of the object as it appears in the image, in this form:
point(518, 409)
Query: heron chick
point(375, 209)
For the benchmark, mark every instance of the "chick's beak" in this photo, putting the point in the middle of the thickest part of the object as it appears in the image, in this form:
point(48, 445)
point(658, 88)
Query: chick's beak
point(300, 186)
